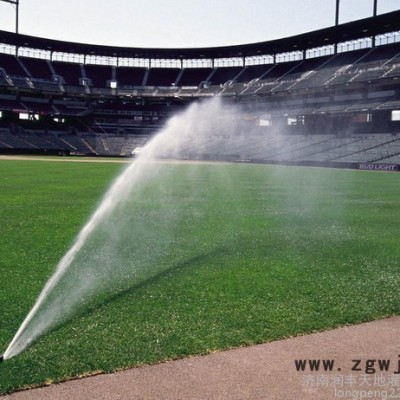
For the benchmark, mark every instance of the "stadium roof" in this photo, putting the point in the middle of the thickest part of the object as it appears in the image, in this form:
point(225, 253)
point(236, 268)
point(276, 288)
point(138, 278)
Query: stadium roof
point(368, 27)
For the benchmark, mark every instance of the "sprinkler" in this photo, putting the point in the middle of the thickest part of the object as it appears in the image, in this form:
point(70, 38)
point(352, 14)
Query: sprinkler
point(1, 358)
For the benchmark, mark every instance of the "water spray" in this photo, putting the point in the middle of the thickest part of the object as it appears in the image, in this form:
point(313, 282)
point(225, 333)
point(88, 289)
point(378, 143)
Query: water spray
point(88, 268)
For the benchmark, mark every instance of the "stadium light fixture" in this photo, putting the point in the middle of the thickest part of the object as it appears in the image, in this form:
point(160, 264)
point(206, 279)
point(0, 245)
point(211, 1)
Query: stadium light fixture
point(16, 4)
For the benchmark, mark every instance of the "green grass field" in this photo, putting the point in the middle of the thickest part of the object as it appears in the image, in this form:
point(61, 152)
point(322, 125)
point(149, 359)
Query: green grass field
point(249, 254)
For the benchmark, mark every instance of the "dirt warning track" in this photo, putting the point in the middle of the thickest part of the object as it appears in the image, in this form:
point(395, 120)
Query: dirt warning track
point(350, 361)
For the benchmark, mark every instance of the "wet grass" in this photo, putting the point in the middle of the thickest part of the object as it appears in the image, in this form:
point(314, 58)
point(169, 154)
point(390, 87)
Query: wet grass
point(257, 253)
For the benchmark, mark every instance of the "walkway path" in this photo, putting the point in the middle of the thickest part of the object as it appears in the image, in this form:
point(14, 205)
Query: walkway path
point(265, 371)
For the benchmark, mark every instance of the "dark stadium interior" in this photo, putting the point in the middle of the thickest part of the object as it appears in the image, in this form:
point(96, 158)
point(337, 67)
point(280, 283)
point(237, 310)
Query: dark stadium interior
point(334, 93)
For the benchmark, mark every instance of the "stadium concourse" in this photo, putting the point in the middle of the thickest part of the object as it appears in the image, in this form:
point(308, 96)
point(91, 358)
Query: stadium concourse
point(354, 362)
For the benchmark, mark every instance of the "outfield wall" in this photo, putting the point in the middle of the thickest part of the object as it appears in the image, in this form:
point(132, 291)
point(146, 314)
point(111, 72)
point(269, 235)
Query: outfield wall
point(379, 166)
point(328, 164)
point(38, 152)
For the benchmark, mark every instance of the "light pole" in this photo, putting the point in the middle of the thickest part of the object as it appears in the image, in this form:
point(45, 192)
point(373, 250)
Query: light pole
point(337, 12)
point(375, 10)
point(16, 4)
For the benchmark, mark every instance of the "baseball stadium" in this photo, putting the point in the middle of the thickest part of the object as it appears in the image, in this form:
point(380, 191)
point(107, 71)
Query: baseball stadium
point(163, 205)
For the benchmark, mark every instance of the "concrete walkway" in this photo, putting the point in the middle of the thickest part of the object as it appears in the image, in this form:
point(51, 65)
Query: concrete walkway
point(267, 371)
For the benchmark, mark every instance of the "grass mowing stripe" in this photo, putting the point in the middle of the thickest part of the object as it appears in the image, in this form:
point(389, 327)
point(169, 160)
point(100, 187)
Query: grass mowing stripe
point(261, 253)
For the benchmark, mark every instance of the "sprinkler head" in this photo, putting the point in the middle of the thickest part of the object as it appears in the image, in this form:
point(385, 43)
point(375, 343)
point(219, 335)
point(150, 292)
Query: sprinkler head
point(1, 358)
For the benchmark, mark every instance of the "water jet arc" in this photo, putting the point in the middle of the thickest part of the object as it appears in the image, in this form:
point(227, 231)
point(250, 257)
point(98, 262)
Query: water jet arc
point(79, 277)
